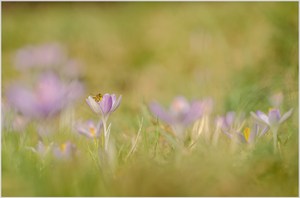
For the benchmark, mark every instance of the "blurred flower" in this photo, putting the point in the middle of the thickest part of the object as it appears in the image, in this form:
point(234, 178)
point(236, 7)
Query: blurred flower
point(226, 122)
point(41, 149)
point(64, 151)
point(276, 99)
point(47, 99)
point(105, 104)
point(273, 119)
point(181, 113)
point(39, 56)
point(89, 129)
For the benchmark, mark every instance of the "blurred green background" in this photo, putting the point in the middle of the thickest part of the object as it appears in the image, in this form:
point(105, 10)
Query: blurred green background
point(236, 53)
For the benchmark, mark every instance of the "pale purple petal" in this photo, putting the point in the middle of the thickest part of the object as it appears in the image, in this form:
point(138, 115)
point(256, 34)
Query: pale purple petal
point(195, 112)
point(253, 133)
point(229, 118)
point(261, 117)
point(106, 104)
point(85, 129)
point(116, 103)
point(286, 116)
point(274, 117)
point(159, 111)
point(93, 104)
point(179, 106)
point(65, 153)
point(22, 100)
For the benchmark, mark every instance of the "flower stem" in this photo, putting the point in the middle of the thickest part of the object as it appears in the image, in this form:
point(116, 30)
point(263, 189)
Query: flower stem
point(275, 141)
point(104, 120)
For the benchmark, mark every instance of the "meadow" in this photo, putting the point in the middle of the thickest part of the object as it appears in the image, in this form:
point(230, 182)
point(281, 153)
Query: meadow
point(205, 104)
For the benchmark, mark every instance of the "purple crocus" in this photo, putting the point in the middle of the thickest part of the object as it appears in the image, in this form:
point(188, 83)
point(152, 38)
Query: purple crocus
point(41, 149)
point(64, 151)
point(46, 55)
point(181, 113)
point(273, 119)
point(49, 96)
point(89, 129)
point(226, 122)
point(105, 104)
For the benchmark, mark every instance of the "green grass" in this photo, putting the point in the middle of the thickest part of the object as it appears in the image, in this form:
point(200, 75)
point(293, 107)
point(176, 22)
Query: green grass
point(237, 53)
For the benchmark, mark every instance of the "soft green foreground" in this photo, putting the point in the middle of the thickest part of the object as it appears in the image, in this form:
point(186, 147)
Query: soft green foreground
point(237, 53)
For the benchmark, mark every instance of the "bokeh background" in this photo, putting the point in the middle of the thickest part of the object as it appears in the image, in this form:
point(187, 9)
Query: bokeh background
point(237, 53)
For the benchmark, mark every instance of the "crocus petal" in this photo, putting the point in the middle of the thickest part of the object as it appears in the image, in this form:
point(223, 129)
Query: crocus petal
point(195, 112)
point(159, 111)
point(85, 129)
point(286, 116)
point(180, 106)
point(106, 104)
point(116, 103)
point(229, 118)
point(93, 104)
point(23, 100)
point(253, 134)
point(274, 117)
point(262, 118)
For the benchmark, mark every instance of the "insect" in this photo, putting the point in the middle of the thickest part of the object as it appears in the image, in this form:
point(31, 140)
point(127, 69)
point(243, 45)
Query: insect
point(98, 97)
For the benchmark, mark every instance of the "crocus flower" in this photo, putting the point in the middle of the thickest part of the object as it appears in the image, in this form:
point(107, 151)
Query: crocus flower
point(41, 149)
point(273, 119)
point(105, 104)
point(181, 113)
point(89, 129)
point(226, 122)
point(64, 151)
point(46, 55)
point(47, 99)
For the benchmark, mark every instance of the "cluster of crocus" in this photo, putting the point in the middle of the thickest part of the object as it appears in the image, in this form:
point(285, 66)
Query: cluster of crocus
point(44, 93)
point(64, 151)
point(48, 86)
point(183, 114)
